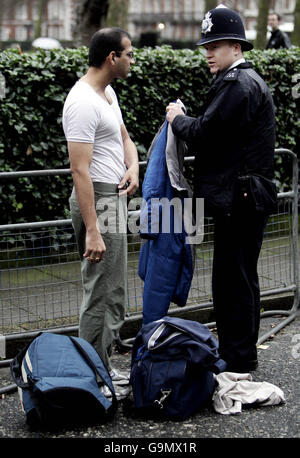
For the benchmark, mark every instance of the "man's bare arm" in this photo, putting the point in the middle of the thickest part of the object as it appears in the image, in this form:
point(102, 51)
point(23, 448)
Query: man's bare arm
point(132, 163)
point(80, 155)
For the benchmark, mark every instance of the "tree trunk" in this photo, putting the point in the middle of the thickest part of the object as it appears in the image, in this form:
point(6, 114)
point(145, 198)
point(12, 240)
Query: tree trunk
point(90, 17)
point(118, 14)
point(262, 22)
point(296, 33)
point(210, 5)
point(38, 24)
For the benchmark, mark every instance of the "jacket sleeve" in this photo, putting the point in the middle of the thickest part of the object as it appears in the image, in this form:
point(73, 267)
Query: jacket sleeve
point(286, 41)
point(229, 109)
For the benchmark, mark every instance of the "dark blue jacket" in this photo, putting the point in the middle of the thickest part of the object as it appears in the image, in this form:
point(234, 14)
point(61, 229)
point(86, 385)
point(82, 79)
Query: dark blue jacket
point(166, 261)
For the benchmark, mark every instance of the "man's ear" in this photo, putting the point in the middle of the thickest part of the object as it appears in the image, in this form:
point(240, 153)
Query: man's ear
point(111, 57)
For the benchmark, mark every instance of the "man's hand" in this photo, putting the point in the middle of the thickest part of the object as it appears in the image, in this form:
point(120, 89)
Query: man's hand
point(173, 109)
point(94, 246)
point(131, 178)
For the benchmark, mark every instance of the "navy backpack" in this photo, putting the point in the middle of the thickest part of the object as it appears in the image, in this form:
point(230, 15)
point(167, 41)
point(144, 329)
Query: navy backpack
point(59, 379)
point(172, 366)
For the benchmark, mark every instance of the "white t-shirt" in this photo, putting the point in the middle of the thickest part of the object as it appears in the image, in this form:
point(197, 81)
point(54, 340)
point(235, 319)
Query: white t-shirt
point(88, 118)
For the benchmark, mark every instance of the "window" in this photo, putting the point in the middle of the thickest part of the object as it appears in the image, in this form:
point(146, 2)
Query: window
point(20, 33)
point(167, 6)
point(188, 32)
point(53, 32)
point(5, 33)
point(188, 6)
point(55, 10)
point(157, 6)
point(135, 6)
point(35, 10)
point(21, 12)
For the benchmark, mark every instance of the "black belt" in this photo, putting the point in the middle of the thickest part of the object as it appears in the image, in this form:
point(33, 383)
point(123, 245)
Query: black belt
point(106, 187)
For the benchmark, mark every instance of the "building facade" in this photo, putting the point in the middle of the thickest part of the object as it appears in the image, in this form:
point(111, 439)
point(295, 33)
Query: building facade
point(171, 19)
point(18, 19)
point(181, 19)
point(248, 8)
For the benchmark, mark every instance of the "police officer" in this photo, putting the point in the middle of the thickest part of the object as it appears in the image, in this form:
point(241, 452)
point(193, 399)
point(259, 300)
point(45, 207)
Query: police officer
point(234, 136)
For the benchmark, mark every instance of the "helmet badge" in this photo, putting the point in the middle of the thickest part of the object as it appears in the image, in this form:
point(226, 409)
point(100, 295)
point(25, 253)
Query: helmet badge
point(207, 23)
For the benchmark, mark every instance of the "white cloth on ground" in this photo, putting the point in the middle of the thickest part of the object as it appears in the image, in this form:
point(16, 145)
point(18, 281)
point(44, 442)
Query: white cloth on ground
point(233, 390)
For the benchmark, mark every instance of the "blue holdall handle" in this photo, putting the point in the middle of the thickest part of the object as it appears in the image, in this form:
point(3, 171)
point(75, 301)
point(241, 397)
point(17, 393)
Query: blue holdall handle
point(91, 355)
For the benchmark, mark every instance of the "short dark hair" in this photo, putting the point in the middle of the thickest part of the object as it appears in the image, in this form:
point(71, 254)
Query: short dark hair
point(279, 17)
point(103, 42)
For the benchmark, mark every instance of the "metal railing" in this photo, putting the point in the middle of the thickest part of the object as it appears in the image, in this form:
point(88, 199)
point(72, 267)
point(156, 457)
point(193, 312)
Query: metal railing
point(40, 281)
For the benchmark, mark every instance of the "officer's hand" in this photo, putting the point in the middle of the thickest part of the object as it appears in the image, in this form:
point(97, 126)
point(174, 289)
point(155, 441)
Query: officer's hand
point(173, 109)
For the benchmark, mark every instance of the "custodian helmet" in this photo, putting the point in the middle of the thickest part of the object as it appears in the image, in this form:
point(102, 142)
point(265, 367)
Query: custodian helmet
point(222, 23)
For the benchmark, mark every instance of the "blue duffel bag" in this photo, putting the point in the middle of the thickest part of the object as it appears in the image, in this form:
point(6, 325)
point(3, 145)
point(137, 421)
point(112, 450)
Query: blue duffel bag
point(59, 380)
point(172, 367)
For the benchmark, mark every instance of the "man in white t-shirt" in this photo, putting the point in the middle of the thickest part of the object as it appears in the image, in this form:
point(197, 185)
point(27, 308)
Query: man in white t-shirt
point(104, 165)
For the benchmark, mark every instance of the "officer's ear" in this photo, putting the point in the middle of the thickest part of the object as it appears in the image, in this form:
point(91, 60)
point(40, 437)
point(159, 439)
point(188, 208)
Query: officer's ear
point(237, 48)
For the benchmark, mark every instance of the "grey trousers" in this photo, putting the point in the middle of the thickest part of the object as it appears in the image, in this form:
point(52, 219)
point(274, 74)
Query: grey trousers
point(102, 311)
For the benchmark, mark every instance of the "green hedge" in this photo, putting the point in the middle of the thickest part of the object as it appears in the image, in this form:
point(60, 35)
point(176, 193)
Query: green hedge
point(36, 84)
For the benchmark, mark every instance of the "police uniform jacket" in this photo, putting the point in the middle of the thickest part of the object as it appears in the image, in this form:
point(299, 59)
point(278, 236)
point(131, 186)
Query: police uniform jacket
point(235, 133)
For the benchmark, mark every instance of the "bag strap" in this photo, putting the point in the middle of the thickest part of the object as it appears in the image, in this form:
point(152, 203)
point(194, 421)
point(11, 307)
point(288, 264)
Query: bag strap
point(90, 355)
point(83, 348)
point(216, 365)
point(16, 367)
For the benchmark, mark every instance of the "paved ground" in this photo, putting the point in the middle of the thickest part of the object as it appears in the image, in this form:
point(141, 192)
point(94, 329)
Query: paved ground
point(279, 363)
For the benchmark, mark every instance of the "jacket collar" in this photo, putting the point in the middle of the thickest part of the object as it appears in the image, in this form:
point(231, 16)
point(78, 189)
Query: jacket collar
point(238, 64)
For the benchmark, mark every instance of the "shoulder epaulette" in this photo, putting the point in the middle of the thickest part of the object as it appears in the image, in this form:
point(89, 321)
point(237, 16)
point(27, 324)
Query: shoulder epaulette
point(231, 75)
